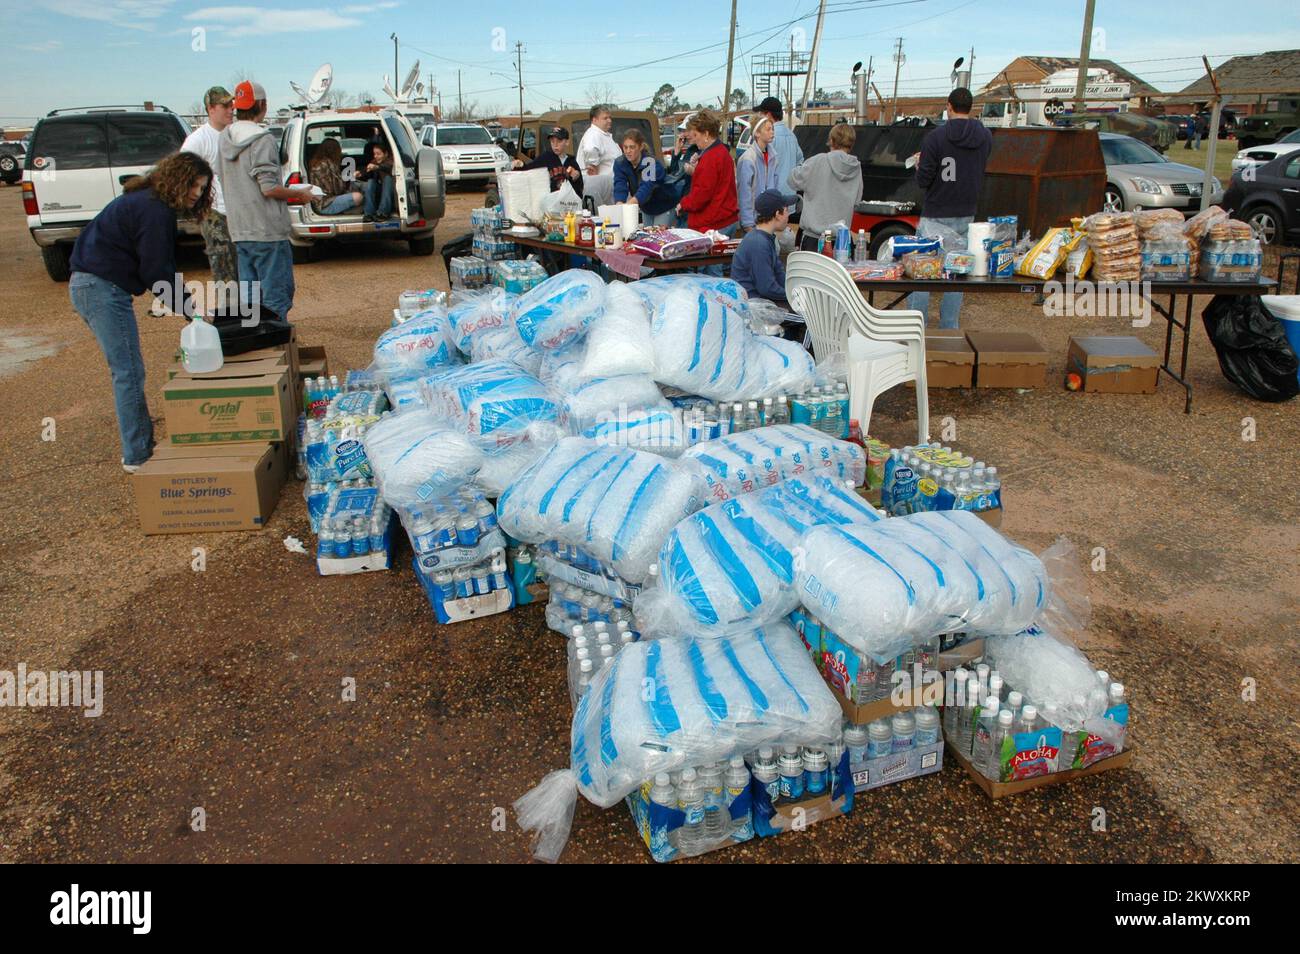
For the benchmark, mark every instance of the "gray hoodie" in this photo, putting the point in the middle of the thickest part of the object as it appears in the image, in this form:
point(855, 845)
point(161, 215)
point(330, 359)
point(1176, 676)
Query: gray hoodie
point(831, 183)
point(250, 162)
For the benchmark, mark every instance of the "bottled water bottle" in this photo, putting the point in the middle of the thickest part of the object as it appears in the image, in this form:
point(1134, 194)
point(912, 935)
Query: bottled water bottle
point(791, 768)
point(842, 398)
point(956, 692)
point(768, 412)
point(995, 685)
point(690, 799)
point(1015, 700)
point(816, 771)
point(737, 781)
point(966, 728)
point(927, 726)
point(855, 740)
point(832, 422)
point(715, 802)
point(1028, 718)
point(662, 793)
point(983, 740)
point(861, 247)
point(751, 416)
point(737, 417)
point(781, 414)
point(880, 739)
point(586, 670)
point(903, 728)
point(767, 773)
point(993, 766)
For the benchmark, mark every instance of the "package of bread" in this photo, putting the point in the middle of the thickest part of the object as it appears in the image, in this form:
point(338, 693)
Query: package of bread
point(1149, 220)
point(1199, 224)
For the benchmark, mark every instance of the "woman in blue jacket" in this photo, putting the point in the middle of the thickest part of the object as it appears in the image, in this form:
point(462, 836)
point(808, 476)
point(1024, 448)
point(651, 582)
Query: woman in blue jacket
point(639, 179)
point(129, 249)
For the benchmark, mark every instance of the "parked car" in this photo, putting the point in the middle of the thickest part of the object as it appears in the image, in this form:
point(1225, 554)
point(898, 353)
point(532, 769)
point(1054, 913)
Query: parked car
point(467, 150)
point(1138, 177)
point(77, 163)
point(12, 155)
point(1156, 133)
point(1270, 201)
point(1280, 119)
point(508, 141)
point(421, 189)
point(577, 121)
point(1227, 122)
point(1258, 155)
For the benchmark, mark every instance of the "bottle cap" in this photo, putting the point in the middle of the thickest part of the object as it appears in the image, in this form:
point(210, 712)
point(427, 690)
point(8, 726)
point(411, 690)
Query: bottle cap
point(1029, 712)
point(1005, 717)
point(663, 779)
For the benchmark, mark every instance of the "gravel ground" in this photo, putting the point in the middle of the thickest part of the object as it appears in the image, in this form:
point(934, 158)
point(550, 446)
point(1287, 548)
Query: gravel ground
point(223, 688)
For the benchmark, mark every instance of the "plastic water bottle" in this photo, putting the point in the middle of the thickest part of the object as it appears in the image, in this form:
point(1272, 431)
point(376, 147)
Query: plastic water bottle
point(1015, 700)
point(816, 771)
point(952, 705)
point(1028, 719)
point(781, 413)
point(767, 412)
point(791, 767)
point(663, 794)
point(690, 799)
point(767, 773)
point(927, 726)
point(855, 740)
point(993, 766)
point(880, 739)
point(737, 417)
point(832, 422)
point(967, 715)
point(903, 727)
point(842, 397)
point(715, 801)
point(751, 416)
point(861, 247)
point(200, 347)
point(982, 744)
point(586, 670)
point(737, 780)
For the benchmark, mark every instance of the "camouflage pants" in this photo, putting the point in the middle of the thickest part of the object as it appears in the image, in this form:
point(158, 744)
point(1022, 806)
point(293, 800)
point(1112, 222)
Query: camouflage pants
point(221, 253)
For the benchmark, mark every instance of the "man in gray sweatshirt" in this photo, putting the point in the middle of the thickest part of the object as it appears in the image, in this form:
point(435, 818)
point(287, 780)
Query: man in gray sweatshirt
point(256, 213)
point(831, 183)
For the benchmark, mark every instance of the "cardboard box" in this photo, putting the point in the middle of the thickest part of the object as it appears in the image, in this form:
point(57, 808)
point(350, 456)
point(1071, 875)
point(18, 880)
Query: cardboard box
point(1008, 359)
point(774, 819)
point(997, 790)
point(212, 488)
point(962, 654)
point(896, 767)
point(237, 407)
point(949, 360)
point(839, 667)
point(656, 824)
point(312, 362)
point(270, 365)
point(1113, 364)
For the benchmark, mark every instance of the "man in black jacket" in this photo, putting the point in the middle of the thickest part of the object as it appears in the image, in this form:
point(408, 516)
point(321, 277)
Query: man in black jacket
point(951, 173)
point(562, 166)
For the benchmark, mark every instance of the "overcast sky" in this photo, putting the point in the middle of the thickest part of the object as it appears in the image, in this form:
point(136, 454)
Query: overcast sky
point(97, 52)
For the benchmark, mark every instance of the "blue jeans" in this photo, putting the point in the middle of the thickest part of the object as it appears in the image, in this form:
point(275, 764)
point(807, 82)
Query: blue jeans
point(270, 265)
point(338, 205)
point(950, 306)
point(381, 197)
point(111, 316)
point(718, 271)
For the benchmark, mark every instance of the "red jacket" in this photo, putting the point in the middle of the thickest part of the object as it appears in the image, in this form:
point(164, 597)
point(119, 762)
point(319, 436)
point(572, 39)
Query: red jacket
point(711, 203)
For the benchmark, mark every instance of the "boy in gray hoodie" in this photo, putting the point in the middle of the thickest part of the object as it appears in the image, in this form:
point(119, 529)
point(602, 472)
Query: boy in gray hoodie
point(256, 213)
point(831, 183)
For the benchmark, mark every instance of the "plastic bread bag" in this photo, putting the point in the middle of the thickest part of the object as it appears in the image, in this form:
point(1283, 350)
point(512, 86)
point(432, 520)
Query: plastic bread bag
point(476, 310)
point(750, 460)
point(557, 312)
point(949, 239)
point(604, 398)
point(656, 430)
point(417, 457)
point(733, 564)
point(504, 344)
point(1149, 219)
point(618, 342)
point(615, 503)
point(495, 402)
point(414, 348)
point(667, 704)
point(1199, 224)
point(1046, 255)
point(885, 586)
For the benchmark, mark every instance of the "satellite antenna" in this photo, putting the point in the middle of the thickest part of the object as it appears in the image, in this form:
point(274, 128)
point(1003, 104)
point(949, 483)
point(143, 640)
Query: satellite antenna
point(408, 84)
point(320, 85)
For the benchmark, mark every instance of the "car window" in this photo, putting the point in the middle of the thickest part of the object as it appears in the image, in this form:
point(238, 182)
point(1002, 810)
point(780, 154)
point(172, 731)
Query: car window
point(463, 136)
point(138, 140)
point(72, 143)
point(405, 148)
point(1292, 170)
point(1291, 137)
point(419, 120)
point(1123, 151)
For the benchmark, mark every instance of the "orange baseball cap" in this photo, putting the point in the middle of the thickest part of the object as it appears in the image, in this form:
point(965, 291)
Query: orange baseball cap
point(247, 94)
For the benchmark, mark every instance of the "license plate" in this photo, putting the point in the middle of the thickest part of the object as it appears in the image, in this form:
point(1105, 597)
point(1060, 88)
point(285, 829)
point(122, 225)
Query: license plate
point(350, 227)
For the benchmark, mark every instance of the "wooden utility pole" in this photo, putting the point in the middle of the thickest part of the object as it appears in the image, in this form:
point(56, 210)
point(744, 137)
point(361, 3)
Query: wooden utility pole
point(812, 63)
point(1215, 105)
point(731, 50)
point(519, 69)
point(898, 65)
point(1081, 80)
point(460, 100)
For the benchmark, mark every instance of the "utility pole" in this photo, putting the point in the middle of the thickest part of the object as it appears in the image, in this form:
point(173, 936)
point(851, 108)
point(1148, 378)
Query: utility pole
point(812, 64)
point(898, 65)
point(460, 100)
point(1216, 103)
point(866, 91)
point(396, 79)
point(1081, 81)
point(519, 69)
point(731, 51)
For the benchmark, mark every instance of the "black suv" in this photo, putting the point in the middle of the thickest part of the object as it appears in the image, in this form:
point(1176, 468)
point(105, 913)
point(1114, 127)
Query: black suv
point(1271, 201)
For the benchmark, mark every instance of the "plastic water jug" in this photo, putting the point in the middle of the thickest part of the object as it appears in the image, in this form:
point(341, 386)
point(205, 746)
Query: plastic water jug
point(200, 347)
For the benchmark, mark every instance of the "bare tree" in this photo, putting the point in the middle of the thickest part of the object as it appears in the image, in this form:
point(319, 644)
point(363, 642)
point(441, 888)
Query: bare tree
point(337, 97)
point(599, 93)
point(465, 113)
point(365, 98)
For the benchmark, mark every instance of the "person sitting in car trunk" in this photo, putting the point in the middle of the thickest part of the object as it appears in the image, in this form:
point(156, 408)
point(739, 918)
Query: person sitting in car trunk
point(381, 190)
point(326, 171)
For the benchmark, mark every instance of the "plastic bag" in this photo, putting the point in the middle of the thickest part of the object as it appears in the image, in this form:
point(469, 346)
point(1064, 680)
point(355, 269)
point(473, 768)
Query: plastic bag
point(562, 370)
point(655, 290)
point(1051, 672)
point(615, 503)
point(733, 564)
point(619, 342)
point(1253, 350)
point(751, 460)
point(701, 343)
point(415, 347)
point(712, 698)
point(504, 344)
point(656, 430)
point(557, 312)
point(564, 199)
point(1199, 224)
point(495, 402)
point(923, 265)
point(949, 239)
point(778, 366)
point(604, 399)
point(883, 588)
point(417, 457)
point(474, 311)
point(502, 465)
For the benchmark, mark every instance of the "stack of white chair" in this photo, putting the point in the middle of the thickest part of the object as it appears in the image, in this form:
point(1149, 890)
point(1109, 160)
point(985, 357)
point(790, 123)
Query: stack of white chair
point(883, 348)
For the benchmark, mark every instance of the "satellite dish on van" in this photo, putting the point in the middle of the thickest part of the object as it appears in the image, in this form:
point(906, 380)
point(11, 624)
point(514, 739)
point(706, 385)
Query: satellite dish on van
point(408, 84)
point(320, 85)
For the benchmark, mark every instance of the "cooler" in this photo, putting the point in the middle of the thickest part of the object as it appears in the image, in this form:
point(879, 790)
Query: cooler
point(1286, 309)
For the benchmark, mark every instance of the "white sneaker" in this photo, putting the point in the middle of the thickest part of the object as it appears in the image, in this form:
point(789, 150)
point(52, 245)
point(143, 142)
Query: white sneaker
point(130, 468)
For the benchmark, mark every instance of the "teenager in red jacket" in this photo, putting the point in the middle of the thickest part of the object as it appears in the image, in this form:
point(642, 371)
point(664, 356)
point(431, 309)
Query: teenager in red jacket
point(711, 203)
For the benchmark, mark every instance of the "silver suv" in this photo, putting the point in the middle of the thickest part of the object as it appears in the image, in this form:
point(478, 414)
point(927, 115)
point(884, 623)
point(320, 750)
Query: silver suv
point(421, 191)
point(77, 163)
point(469, 153)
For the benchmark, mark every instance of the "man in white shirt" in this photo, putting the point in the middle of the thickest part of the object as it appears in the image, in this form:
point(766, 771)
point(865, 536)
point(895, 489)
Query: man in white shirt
point(203, 142)
point(596, 155)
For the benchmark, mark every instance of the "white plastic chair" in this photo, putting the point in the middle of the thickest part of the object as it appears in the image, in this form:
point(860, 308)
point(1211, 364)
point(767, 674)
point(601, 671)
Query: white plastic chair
point(882, 348)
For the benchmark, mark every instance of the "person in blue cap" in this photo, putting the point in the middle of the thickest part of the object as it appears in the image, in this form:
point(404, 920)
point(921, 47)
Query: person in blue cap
point(757, 264)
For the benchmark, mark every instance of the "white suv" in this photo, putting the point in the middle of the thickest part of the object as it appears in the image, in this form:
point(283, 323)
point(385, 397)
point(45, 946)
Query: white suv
point(421, 190)
point(77, 163)
point(468, 151)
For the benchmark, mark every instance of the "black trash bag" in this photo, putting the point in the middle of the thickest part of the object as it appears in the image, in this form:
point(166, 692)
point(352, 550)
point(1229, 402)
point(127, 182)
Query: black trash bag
point(1254, 353)
point(254, 328)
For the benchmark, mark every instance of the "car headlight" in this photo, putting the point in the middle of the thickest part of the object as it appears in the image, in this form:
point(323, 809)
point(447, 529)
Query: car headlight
point(1215, 184)
point(1145, 185)
point(500, 155)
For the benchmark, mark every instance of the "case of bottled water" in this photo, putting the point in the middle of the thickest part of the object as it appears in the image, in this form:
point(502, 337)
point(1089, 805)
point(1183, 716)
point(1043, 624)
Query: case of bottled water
point(331, 445)
point(884, 587)
point(456, 530)
point(709, 700)
point(317, 495)
point(907, 744)
point(733, 563)
point(468, 592)
point(697, 810)
point(748, 461)
point(615, 503)
point(797, 784)
point(355, 533)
